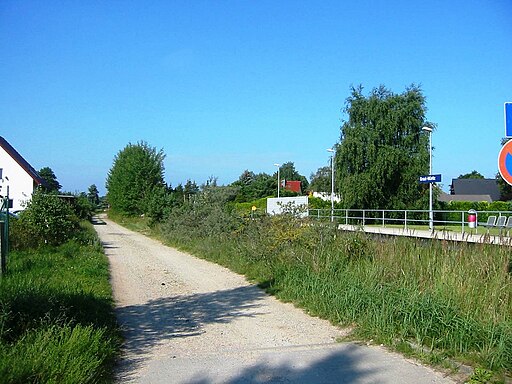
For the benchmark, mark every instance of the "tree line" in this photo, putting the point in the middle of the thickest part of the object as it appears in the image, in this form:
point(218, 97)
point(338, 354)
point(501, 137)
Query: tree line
point(381, 152)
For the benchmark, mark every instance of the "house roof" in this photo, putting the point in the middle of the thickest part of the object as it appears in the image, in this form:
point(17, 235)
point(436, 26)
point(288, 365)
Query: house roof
point(447, 198)
point(476, 187)
point(21, 161)
point(293, 186)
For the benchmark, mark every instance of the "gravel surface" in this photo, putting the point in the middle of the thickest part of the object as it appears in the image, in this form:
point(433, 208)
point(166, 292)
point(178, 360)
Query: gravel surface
point(187, 320)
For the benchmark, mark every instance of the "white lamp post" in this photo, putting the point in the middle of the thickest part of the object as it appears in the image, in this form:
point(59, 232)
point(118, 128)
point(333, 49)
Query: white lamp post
point(332, 182)
point(278, 179)
point(430, 212)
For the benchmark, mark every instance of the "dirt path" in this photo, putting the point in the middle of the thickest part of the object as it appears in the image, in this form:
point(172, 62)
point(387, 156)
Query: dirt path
point(190, 321)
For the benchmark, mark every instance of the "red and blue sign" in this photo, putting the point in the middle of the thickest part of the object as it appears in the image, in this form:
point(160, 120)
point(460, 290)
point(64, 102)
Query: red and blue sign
point(505, 162)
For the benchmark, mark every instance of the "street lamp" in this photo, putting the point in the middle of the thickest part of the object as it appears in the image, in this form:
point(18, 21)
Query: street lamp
point(331, 151)
point(278, 179)
point(430, 212)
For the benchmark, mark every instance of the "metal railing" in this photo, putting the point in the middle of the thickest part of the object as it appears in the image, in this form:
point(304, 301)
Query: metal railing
point(406, 218)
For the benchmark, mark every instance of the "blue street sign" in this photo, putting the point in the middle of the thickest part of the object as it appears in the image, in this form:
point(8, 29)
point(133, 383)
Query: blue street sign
point(430, 179)
point(508, 119)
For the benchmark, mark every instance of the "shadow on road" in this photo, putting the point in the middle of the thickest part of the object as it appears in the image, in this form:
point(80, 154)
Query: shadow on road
point(108, 245)
point(180, 316)
point(342, 365)
point(97, 221)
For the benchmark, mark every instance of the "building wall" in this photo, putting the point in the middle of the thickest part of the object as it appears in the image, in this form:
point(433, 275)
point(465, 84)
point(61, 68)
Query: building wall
point(278, 205)
point(21, 184)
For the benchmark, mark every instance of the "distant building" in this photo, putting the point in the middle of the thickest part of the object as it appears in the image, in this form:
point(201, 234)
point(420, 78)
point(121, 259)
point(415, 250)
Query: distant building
point(294, 186)
point(472, 190)
point(327, 196)
point(18, 175)
point(297, 205)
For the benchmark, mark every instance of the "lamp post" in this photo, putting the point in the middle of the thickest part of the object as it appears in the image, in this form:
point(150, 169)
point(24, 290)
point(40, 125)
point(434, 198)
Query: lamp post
point(331, 151)
point(278, 179)
point(430, 212)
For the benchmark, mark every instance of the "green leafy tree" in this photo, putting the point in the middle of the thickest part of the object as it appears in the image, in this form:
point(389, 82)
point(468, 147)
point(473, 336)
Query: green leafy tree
point(246, 178)
point(245, 184)
point(93, 195)
point(159, 204)
point(264, 185)
point(321, 180)
point(47, 220)
point(178, 194)
point(190, 189)
point(253, 186)
point(472, 175)
point(383, 150)
point(288, 172)
point(137, 174)
point(83, 207)
point(50, 180)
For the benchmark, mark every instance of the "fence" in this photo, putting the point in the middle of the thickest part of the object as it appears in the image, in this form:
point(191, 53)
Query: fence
point(404, 218)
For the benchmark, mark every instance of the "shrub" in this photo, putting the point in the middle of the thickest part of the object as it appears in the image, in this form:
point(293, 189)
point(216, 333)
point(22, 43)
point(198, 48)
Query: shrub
point(46, 220)
point(207, 215)
point(480, 206)
point(83, 207)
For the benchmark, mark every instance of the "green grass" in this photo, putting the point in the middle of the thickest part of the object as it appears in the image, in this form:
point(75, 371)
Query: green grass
point(245, 209)
point(57, 323)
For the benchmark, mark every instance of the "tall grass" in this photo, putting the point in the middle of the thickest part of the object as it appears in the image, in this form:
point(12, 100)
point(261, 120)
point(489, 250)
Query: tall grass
point(56, 315)
point(445, 299)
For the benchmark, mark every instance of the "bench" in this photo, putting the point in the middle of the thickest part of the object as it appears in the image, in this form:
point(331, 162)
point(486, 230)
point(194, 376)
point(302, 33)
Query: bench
point(502, 222)
point(508, 226)
point(491, 222)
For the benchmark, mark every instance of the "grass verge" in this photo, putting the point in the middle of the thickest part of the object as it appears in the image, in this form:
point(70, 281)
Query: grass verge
point(57, 323)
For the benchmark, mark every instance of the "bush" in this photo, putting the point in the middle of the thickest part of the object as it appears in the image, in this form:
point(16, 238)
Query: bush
point(207, 215)
point(47, 220)
point(480, 206)
point(82, 207)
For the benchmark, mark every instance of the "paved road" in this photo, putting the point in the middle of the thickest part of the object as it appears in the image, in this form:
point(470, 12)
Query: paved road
point(190, 321)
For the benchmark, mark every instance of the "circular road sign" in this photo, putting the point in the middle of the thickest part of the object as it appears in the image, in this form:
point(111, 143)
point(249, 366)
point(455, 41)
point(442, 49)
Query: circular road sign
point(505, 162)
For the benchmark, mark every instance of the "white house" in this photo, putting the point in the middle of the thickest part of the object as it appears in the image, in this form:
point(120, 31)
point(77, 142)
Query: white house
point(17, 174)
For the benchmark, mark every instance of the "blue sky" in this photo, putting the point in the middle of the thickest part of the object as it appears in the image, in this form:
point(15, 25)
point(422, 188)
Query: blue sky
point(224, 86)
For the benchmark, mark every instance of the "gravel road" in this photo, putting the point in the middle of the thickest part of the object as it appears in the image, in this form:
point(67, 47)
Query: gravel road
point(187, 320)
